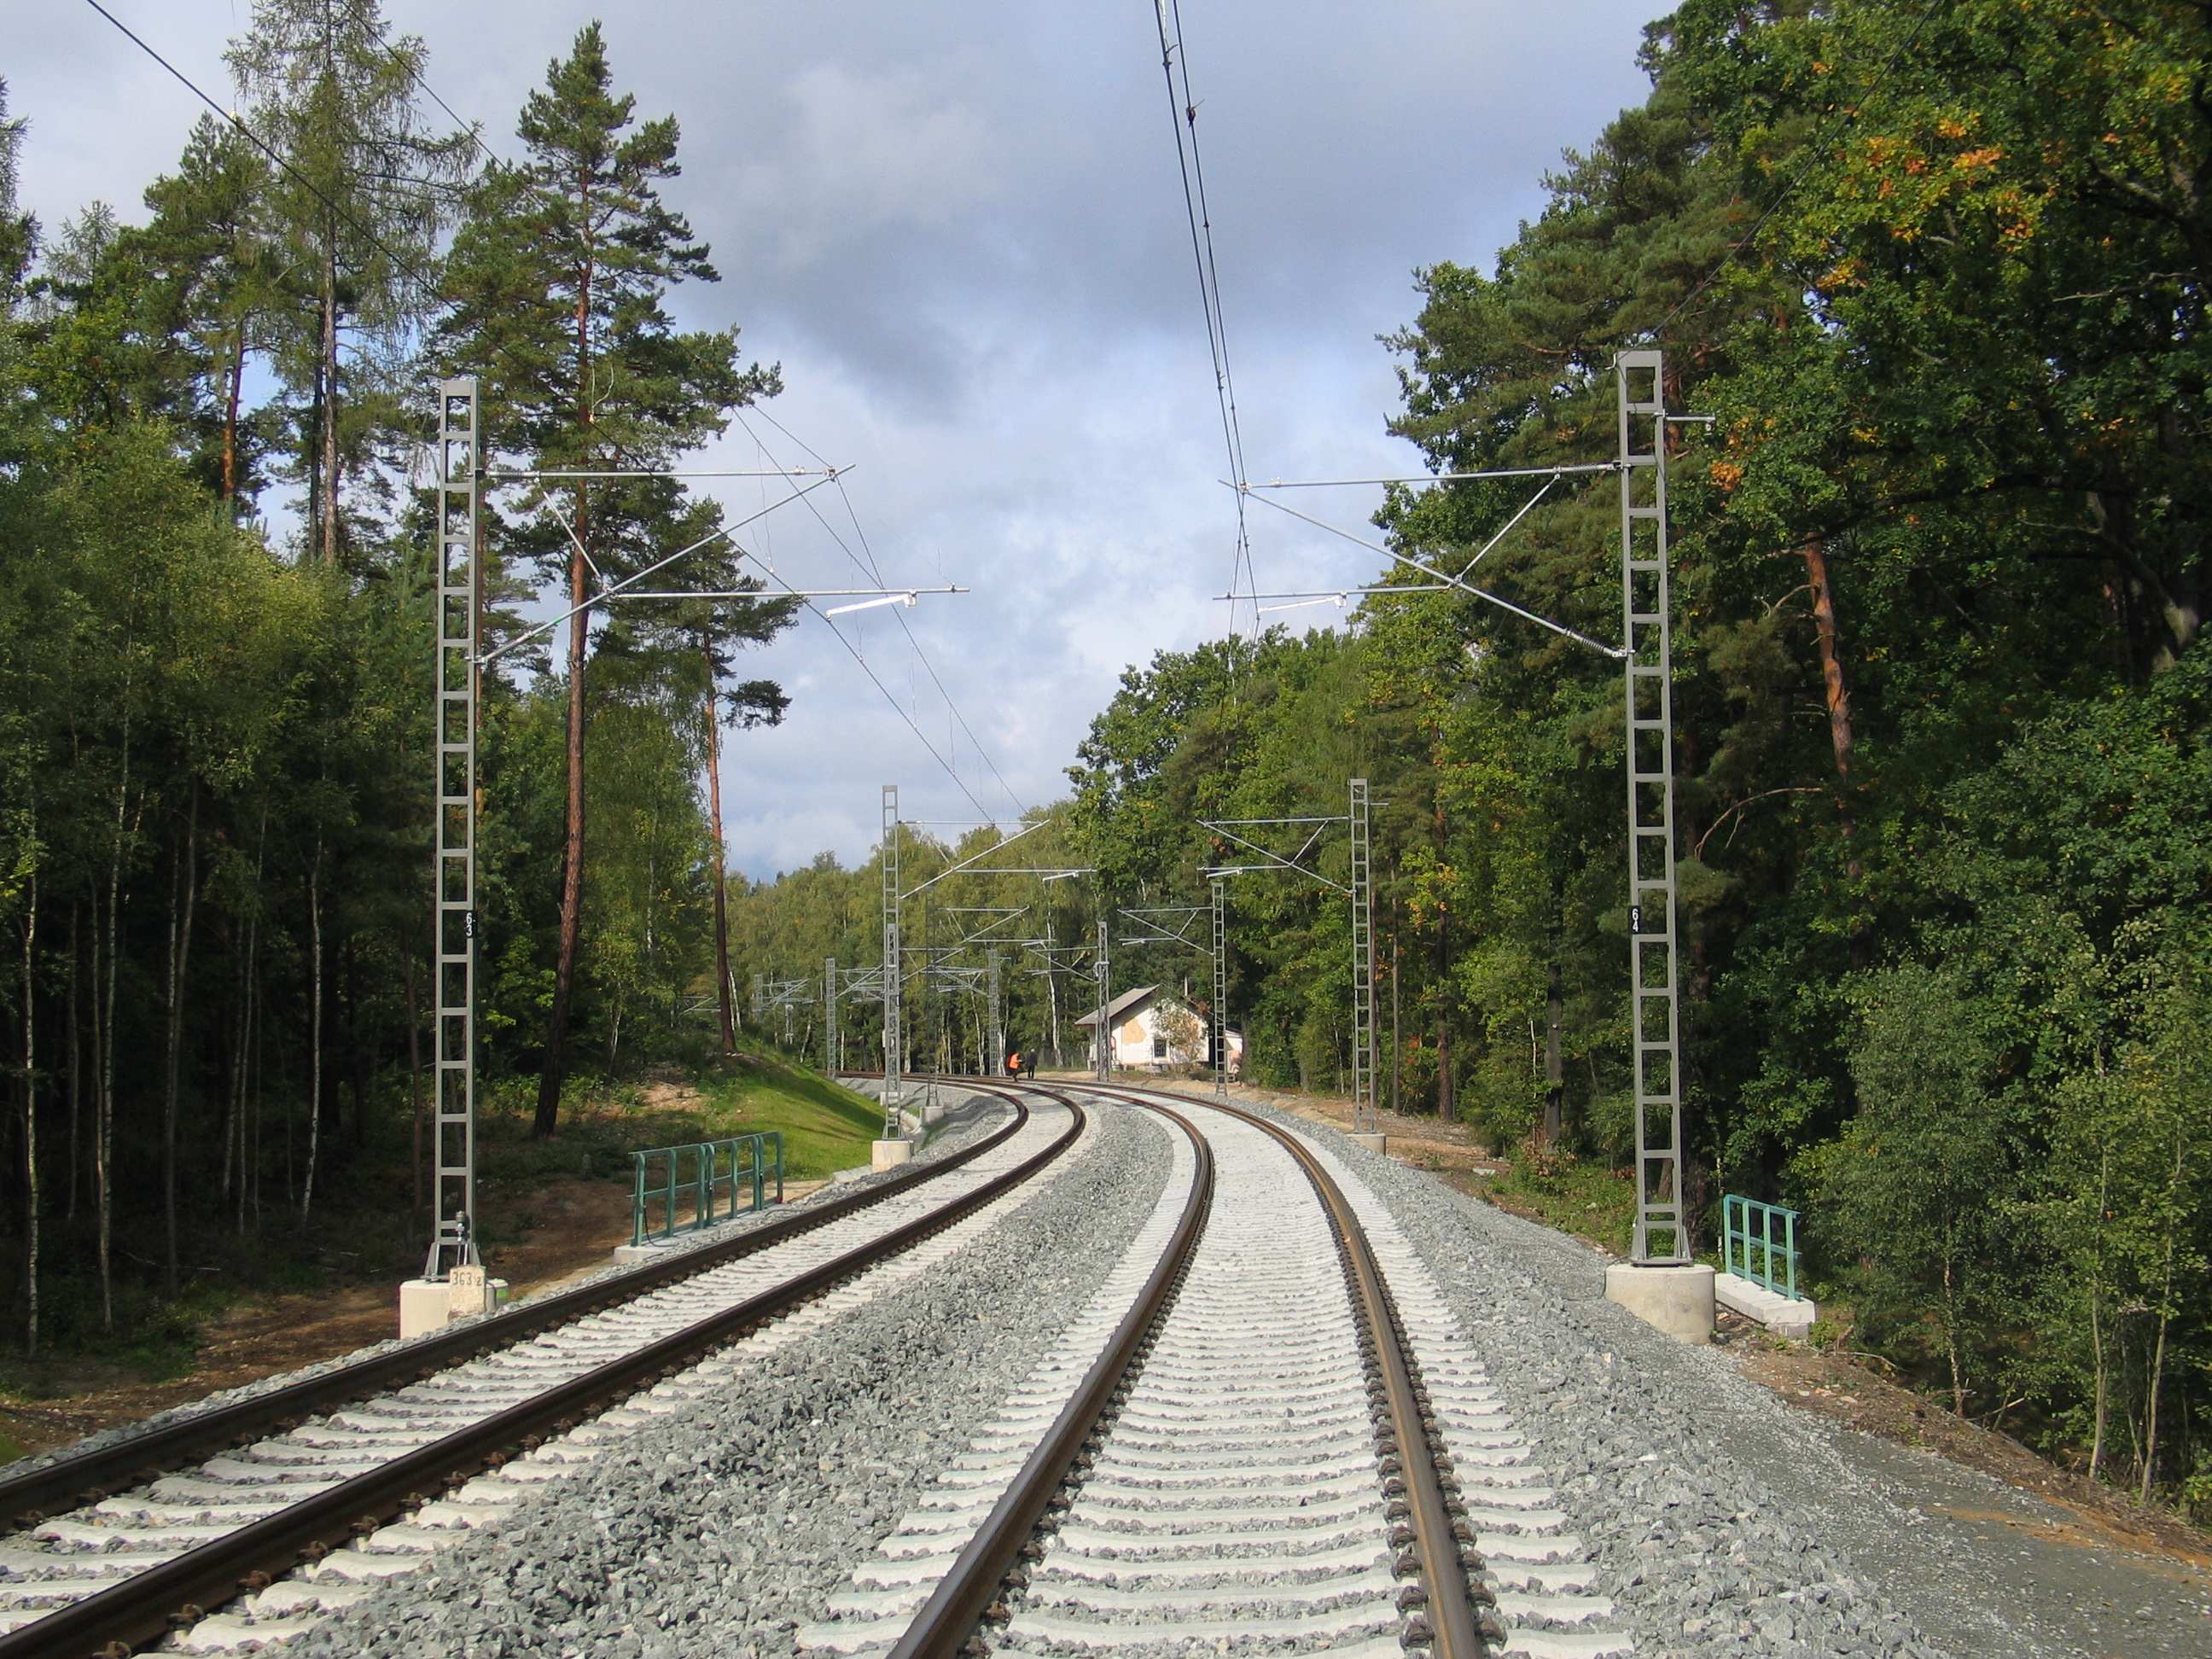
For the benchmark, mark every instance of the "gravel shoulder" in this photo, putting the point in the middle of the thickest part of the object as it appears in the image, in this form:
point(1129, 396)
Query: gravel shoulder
point(728, 1526)
point(1728, 1523)
point(963, 1124)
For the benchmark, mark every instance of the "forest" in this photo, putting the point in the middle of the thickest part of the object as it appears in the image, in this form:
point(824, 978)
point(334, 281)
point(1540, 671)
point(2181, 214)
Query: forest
point(1936, 274)
point(216, 676)
point(1943, 718)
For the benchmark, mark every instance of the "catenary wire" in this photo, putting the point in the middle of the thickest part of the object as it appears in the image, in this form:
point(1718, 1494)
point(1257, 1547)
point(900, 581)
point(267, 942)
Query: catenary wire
point(1213, 271)
point(376, 27)
point(415, 271)
point(256, 140)
point(869, 566)
point(1183, 111)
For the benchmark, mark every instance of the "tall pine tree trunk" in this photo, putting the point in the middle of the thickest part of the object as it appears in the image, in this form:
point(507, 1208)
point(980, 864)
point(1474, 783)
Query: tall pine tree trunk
point(234, 381)
point(357, 1051)
point(572, 863)
point(721, 875)
point(184, 892)
point(1555, 1074)
point(571, 866)
point(329, 413)
point(74, 1037)
point(2102, 1409)
point(103, 1148)
point(1836, 692)
point(2165, 1321)
point(415, 1074)
point(314, 1029)
point(30, 1123)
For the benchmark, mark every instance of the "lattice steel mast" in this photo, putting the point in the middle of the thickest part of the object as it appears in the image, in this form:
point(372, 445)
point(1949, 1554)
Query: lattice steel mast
point(994, 1062)
point(460, 612)
point(1363, 964)
point(1100, 968)
point(1647, 683)
point(1221, 989)
point(893, 1045)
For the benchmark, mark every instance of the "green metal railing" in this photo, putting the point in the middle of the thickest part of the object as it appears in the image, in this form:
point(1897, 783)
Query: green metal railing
point(1747, 1228)
point(711, 1174)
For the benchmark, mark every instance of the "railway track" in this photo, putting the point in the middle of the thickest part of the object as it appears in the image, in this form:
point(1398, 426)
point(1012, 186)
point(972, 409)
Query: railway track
point(1263, 1431)
point(1279, 1444)
point(284, 1504)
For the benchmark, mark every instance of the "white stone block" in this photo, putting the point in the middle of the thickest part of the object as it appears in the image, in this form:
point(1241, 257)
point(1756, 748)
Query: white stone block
point(1676, 1300)
point(423, 1306)
point(1778, 1313)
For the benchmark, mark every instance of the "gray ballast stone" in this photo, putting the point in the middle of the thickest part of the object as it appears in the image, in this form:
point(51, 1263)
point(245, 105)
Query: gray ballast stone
point(725, 1525)
point(1647, 1446)
point(963, 1125)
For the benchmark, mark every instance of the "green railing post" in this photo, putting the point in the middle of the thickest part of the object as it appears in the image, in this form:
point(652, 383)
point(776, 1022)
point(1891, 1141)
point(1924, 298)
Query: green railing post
point(716, 1169)
point(1777, 1268)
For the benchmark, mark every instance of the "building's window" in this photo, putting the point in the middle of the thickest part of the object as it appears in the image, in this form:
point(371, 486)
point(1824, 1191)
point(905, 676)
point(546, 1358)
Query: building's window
point(1159, 1047)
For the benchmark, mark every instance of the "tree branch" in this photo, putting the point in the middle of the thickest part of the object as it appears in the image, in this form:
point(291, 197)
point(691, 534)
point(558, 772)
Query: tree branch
point(1765, 794)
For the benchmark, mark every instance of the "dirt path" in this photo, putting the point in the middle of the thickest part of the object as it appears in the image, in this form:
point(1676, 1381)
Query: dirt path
point(1843, 1391)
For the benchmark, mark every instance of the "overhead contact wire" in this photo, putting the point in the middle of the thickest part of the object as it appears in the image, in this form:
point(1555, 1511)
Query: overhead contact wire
point(870, 567)
point(1183, 111)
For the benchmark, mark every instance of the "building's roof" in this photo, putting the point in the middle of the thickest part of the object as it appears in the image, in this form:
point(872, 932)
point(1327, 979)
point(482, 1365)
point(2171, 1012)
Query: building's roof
point(1120, 1006)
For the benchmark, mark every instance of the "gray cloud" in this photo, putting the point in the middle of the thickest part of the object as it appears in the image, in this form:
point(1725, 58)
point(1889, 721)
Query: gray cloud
point(960, 230)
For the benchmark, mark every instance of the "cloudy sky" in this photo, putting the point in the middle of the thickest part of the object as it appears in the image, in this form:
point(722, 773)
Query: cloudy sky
point(960, 230)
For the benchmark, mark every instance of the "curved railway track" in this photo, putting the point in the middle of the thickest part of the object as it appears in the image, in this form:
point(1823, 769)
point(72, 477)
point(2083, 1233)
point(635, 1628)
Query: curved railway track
point(120, 1547)
point(1265, 1427)
point(1251, 1454)
point(1535, 1574)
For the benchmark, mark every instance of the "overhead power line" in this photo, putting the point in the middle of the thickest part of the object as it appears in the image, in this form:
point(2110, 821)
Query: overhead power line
point(1183, 113)
point(472, 129)
point(868, 566)
point(256, 140)
point(415, 271)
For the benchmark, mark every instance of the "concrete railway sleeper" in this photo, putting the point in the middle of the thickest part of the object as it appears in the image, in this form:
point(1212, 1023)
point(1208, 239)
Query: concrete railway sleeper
point(1535, 1574)
point(293, 1480)
point(1247, 1459)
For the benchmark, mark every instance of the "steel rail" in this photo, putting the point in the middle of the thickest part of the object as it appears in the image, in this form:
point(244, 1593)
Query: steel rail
point(32, 1497)
point(1451, 1607)
point(144, 1608)
point(969, 1588)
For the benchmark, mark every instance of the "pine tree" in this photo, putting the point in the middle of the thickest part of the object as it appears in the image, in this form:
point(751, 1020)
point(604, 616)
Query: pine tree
point(367, 189)
point(215, 281)
point(557, 277)
point(19, 231)
point(706, 633)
